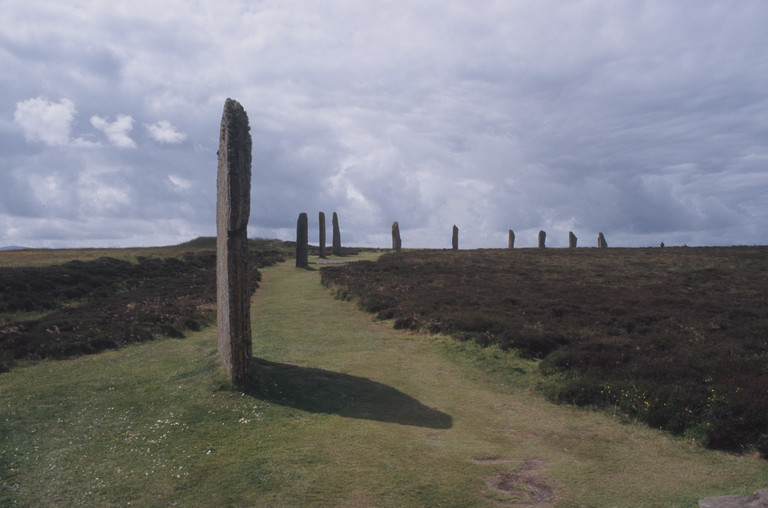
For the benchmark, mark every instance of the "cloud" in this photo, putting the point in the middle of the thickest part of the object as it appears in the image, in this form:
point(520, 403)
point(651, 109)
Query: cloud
point(164, 132)
point(644, 120)
point(179, 183)
point(45, 121)
point(117, 131)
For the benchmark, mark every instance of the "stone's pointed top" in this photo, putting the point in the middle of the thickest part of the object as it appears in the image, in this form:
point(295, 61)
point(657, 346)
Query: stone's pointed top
point(232, 108)
point(235, 113)
point(232, 103)
point(234, 175)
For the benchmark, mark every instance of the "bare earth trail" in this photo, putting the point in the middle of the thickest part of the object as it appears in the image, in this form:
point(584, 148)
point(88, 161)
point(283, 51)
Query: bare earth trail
point(400, 419)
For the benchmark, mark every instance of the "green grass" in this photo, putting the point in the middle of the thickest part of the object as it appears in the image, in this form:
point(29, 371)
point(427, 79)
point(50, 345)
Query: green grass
point(349, 413)
point(676, 337)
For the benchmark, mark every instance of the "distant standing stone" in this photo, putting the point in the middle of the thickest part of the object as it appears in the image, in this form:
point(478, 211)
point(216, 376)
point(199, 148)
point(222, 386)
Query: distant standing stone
point(511, 240)
point(302, 241)
point(455, 238)
point(601, 243)
point(321, 218)
point(233, 208)
point(396, 241)
point(542, 239)
point(572, 240)
point(336, 236)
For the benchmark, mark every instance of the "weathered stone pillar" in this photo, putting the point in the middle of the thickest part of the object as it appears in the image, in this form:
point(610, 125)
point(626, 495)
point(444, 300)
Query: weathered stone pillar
point(396, 242)
point(321, 218)
point(601, 243)
point(455, 238)
point(302, 241)
point(572, 240)
point(233, 208)
point(511, 240)
point(542, 239)
point(336, 236)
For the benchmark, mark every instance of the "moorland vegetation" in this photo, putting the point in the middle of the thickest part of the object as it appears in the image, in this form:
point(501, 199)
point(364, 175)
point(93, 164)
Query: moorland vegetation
point(76, 306)
point(68, 302)
point(674, 337)
point(346, 412)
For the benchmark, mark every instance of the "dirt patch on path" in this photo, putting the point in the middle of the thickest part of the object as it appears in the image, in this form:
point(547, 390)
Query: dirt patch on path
point(522, 488)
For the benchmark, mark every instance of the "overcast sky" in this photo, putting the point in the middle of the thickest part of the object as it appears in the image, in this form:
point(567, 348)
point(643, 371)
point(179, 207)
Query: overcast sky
point(647, 121)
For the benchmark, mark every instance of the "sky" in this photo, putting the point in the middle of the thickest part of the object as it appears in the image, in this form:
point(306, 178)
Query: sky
point(644, 120)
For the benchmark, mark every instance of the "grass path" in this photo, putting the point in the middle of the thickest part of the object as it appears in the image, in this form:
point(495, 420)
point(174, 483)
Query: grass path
point(501, 436)
point(351, 413)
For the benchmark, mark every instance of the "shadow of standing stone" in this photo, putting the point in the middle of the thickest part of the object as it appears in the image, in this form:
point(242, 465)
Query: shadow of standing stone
point(233, 208)
point(321, 391)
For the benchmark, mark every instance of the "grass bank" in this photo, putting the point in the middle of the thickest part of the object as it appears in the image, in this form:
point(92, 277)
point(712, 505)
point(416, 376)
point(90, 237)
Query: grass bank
point(349, 413)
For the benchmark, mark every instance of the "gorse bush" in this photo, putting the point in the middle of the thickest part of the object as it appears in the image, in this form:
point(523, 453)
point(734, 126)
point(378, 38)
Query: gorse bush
point(677, 338)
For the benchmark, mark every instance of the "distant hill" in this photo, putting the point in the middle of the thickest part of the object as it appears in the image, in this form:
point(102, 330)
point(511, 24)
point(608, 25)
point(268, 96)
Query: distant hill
point(13, 247)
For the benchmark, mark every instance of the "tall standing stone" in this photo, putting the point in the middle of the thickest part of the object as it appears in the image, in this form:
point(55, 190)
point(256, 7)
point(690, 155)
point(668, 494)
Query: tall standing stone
point(455, 238)
point(336, 236)
point(601, 243)
point(233, 208)
point(302, 241)
point(397, 243)
point(542, 239)
point(321, 218)
point(511, 240)
point(572, 240)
